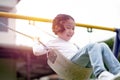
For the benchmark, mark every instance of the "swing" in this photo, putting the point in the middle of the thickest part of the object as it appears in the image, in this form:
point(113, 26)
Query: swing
point(65, 68)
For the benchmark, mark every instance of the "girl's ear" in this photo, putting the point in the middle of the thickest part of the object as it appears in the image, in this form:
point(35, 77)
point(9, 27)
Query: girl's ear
point(57, 29)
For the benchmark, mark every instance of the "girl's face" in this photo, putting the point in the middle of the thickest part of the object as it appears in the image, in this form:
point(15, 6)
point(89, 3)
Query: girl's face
point(69, 26)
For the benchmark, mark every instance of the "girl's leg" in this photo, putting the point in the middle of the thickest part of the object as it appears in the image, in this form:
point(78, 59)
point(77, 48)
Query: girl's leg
point(110, 60)
point(90, 53)
point(97, 54)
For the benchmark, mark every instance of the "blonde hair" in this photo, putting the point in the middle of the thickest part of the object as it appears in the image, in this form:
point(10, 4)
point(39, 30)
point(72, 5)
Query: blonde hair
point(58, 22)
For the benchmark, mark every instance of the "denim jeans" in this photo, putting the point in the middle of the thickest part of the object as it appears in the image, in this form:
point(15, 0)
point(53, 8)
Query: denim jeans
point(97, 55)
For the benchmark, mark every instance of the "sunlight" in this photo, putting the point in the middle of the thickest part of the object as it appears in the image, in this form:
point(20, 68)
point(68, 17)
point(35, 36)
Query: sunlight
point(93, 13)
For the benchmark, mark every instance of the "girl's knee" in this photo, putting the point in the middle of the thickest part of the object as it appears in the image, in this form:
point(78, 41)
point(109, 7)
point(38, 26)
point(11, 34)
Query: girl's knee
point(97, 45)
point(92, 45)
point(102, 44)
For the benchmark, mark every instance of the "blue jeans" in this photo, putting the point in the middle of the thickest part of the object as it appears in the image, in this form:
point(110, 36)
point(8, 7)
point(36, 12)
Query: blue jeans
point(97, 55)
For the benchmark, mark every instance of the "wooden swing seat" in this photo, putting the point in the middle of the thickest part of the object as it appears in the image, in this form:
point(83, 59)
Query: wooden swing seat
point(66, 69)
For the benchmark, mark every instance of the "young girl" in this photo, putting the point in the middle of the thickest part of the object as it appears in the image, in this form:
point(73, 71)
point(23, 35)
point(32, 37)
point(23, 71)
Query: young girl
point(94, 55)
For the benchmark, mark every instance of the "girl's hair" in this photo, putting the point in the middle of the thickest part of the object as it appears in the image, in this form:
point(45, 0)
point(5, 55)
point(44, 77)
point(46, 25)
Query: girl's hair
point(58, 22)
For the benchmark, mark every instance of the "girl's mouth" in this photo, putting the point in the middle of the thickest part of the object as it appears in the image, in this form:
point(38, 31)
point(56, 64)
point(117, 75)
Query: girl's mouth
point(69, 35)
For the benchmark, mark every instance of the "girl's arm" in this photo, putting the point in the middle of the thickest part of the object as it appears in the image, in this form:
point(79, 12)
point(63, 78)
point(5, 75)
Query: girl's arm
point(38, 49)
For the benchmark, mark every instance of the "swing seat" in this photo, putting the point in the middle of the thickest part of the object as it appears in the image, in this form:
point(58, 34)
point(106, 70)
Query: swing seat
point(66, 69)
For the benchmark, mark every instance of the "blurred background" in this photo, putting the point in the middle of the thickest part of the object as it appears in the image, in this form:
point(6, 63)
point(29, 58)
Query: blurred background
point(17, 61)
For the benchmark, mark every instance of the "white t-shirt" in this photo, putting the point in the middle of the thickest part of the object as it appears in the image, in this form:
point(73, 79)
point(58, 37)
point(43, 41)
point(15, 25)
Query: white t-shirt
point(64, 47)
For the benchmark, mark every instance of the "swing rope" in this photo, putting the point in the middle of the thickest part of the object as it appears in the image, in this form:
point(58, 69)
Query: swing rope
point(28, 36)
point(33, 24)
